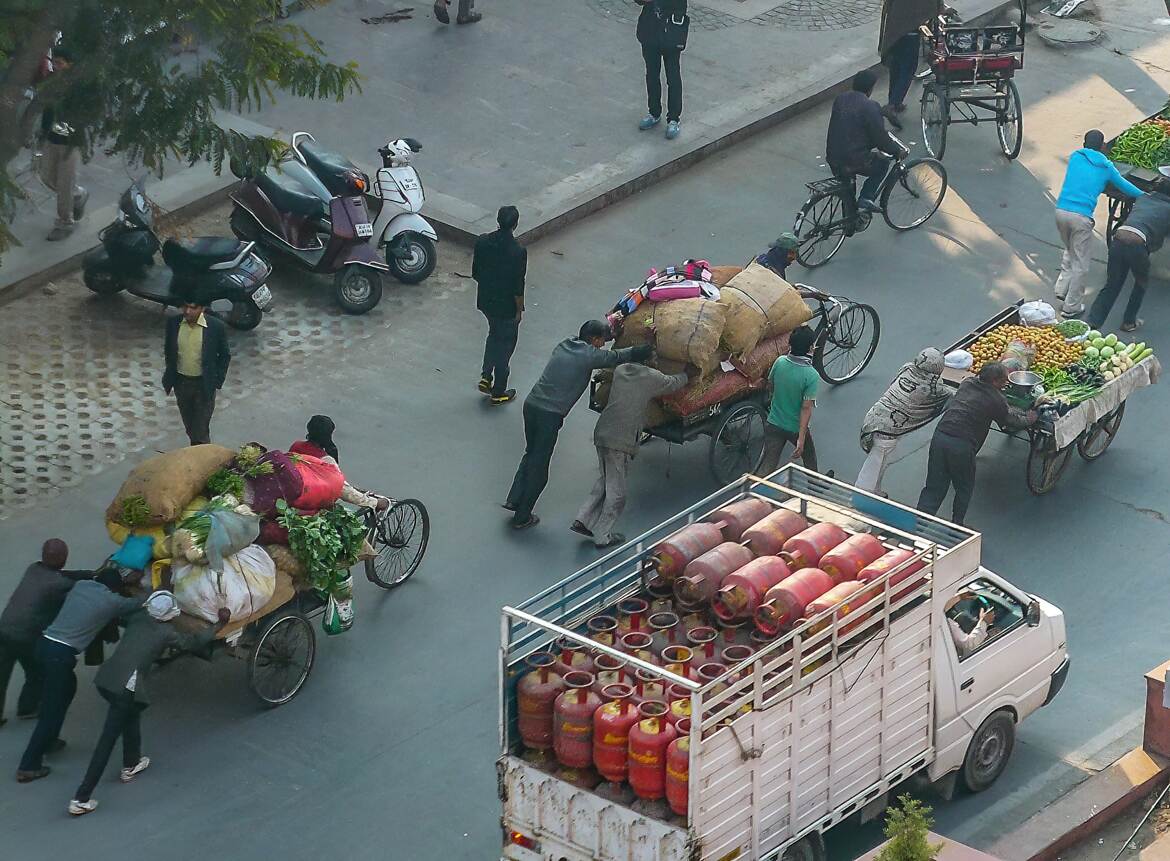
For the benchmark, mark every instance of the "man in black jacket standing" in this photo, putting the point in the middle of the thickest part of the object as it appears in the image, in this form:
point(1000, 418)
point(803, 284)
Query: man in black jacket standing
point(499, 266)
point(197, 358)
point(857, 137)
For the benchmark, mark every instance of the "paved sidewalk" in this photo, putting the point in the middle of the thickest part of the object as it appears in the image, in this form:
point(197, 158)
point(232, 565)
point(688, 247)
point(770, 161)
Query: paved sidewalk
point(537, 105)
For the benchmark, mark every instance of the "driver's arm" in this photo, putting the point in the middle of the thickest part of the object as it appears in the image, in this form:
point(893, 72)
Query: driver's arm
point(969, 642)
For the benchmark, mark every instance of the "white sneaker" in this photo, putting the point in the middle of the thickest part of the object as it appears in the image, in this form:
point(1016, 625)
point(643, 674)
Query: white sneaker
point(80, 808)
point(128, 774)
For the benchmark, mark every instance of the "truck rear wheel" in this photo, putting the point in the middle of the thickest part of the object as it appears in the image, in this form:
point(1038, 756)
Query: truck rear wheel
point(989, 751)
point(811, 847)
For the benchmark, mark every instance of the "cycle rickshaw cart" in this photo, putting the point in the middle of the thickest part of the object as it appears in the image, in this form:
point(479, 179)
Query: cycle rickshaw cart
point(846, 338)
point(1089, 427)
point(972, 68)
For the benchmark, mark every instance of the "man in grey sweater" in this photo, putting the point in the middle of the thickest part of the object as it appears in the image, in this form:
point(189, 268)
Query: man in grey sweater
point(616, 438)
point(565, 378)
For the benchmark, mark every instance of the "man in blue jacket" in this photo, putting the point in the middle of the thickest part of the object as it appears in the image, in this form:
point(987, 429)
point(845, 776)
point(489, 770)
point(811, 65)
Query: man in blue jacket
point(1089, 170)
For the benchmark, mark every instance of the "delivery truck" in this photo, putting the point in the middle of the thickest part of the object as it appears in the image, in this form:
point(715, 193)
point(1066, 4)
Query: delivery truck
point(797, 733)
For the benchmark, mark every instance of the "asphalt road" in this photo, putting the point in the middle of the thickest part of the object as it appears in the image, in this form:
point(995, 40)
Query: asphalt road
point(389, 751)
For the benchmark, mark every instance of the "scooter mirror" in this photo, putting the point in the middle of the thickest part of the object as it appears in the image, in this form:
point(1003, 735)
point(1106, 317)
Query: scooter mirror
point(413, 143)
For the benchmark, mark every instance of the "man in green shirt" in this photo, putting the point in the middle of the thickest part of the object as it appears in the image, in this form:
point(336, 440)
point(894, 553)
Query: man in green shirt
point(793, 382)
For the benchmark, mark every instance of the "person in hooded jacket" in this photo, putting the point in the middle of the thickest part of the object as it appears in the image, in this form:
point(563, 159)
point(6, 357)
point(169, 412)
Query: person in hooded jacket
point(1089, 171)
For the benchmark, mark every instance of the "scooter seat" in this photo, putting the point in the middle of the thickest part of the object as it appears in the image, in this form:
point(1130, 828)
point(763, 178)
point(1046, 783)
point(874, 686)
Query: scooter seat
point(200, 253)
point(290, 200)
point(329, 167)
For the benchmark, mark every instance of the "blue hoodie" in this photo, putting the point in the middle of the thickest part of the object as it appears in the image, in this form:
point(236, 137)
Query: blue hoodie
point(1088, 172)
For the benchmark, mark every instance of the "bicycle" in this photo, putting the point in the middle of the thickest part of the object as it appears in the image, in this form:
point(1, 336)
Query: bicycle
point(910, 194)
point(841, 327)
point(399, 535)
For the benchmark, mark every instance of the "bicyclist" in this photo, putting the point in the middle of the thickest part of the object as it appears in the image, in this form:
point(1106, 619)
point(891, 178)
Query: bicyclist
point(856, 142)
point(318, 442)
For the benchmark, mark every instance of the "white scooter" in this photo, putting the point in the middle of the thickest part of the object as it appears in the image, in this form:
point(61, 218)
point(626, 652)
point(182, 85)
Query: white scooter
point(394, 199)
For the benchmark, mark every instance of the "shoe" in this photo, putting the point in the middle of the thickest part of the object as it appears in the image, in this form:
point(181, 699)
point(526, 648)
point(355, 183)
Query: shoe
point(507, 506)
point(29, 716)
point(128, 774)
point(441, 12)
point(56, 746)
point(1132, 327)
point(672, 130)
point(471, 18)
point(30, 776)
point(58, 233)
point(868, 205)
point(615, 538)
point(527, 524)
point(485, 385)
point(891, 115)
point(648, 122)
point(80, 808)
point(79, 202)
point(506, 398)
point(581, 529)
point(1073, 314)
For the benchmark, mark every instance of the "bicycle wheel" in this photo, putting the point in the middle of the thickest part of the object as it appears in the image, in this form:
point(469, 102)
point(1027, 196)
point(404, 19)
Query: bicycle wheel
point(914, 194)
point(1009, 123)
point(935, 118)
point(820, 230)
point(848, 344)
point(1046, 463)
point(282, 659)
point(738, 446)
point(400, 539)
point(1100, 434)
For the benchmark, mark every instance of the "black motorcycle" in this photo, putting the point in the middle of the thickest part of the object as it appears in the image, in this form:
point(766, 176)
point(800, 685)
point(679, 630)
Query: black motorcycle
point(206, 269)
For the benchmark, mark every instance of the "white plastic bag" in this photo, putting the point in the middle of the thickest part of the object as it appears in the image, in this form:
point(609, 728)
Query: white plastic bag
point(960, 360)
point(1037, 313)
point(245, 585)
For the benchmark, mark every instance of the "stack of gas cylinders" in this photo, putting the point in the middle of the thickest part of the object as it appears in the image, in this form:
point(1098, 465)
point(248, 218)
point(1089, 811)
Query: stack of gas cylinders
point(600, 721)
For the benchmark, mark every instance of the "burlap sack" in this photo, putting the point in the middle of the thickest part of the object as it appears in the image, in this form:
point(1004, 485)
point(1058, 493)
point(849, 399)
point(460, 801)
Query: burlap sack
point(169, 481)
point(756, 364)
point(688, 330)
point(720, 275)
point(670, 367)
point(636, 327)
point(720, 388)
point(759, 304)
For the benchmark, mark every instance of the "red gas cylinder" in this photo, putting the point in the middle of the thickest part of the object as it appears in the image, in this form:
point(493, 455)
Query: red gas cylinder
point(611, 733)
point(678, 766)
point(839, 594)
point(676, 692)
point(733, 631)
point(734, 655)
point(678, 710)
point(631, 615)
point(665, 630)
point(878, 569)
point(805, 549)
point(671, 556)
point(710, 672)
point(649, 738)
point(767, 537)
point(703, 576)
point(572, 656)
point(603, 629)
point(648, 688)
point(702, 642)
point(845, 561)
point(678, 660)
point(733, 519)
point(786, 601)
point(573, 721)
point(536, 693)
point(742, 590)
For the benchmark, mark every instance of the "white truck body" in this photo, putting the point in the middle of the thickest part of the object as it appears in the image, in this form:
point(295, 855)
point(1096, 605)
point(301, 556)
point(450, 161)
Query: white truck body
point(822, 723)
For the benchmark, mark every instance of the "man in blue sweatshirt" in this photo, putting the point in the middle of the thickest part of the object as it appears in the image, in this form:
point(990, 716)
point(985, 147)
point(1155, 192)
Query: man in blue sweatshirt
point(1089, 170)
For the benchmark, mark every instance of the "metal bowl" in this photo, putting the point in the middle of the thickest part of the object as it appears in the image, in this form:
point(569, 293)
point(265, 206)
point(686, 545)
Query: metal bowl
point(1024, 379)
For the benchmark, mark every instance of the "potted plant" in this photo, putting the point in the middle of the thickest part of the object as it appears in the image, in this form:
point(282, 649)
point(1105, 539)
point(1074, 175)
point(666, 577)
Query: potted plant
point(907, 829)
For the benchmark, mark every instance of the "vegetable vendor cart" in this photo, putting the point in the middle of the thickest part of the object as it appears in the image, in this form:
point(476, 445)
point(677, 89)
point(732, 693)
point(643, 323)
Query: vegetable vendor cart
point(1141, 143)
point(1089, 426)
point(973, 67)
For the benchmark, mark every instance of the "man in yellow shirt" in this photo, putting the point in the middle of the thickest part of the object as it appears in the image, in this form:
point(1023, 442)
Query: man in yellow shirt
point(197, 358)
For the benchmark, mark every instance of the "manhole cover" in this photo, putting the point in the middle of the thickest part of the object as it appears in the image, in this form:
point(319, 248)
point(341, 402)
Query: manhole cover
point(1068, 33)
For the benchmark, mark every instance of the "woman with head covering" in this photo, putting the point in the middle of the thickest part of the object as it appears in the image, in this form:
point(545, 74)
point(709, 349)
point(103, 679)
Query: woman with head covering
point(915, 398)
point(318, 442)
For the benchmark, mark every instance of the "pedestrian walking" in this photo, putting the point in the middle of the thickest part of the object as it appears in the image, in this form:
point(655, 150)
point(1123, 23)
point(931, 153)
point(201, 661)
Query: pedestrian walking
point(1144, 231)
point(466, 15)
point(780, 254)
point(123, 682)
point(1089, 171)
point(33, 606)
point(560, 386)
point(960, 434)
point(663, 26)
point(793, 382)
point(915, 398)
point(197, 358)
point(88, 608)
point(61, 160)
point(499, 266)
point(616, 437)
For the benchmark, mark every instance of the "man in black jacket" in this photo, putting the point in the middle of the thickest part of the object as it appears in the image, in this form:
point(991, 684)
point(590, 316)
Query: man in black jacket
point(499, 266)
point(197, 358)
point(857, 137)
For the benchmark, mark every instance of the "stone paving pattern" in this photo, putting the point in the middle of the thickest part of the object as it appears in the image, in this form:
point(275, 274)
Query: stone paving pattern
point(793, 15)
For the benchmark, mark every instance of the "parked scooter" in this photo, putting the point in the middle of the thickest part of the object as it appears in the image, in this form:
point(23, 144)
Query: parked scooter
point(209, 268)
point(293, 214)
point(395, 198)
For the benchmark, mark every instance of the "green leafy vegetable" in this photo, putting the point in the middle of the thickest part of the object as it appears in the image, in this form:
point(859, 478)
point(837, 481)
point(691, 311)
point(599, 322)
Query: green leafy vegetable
point(135, 511)
point(226, 481)
point(248, 461)
point(326, 543)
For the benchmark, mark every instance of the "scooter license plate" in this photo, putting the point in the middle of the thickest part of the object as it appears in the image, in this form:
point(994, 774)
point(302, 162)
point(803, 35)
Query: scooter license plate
point(365, 231)
point(262, 296)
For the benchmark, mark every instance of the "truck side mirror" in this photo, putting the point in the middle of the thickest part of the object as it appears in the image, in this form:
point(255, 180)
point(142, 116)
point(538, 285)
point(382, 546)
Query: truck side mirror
point(1032, 617)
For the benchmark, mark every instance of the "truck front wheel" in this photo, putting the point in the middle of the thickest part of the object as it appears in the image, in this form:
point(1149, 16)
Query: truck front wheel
point(811, 847)
point(989, 751)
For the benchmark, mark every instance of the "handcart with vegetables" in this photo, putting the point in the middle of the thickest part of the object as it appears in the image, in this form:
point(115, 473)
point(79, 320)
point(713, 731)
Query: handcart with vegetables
point(1075, 379)
point(1138, 152)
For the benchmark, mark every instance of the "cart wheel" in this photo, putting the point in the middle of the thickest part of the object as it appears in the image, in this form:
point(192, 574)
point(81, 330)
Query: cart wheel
point(1009, 123)
point(1099, 435)
point(819, 229)
point(282, 659)
point(737, 448)
point(914, 193)
point(1046, 463)
point(848, 344)
point(935, 118)
point(400, 537)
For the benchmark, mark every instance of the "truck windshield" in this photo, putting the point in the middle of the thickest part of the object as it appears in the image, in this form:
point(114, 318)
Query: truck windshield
point(1006, 612)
